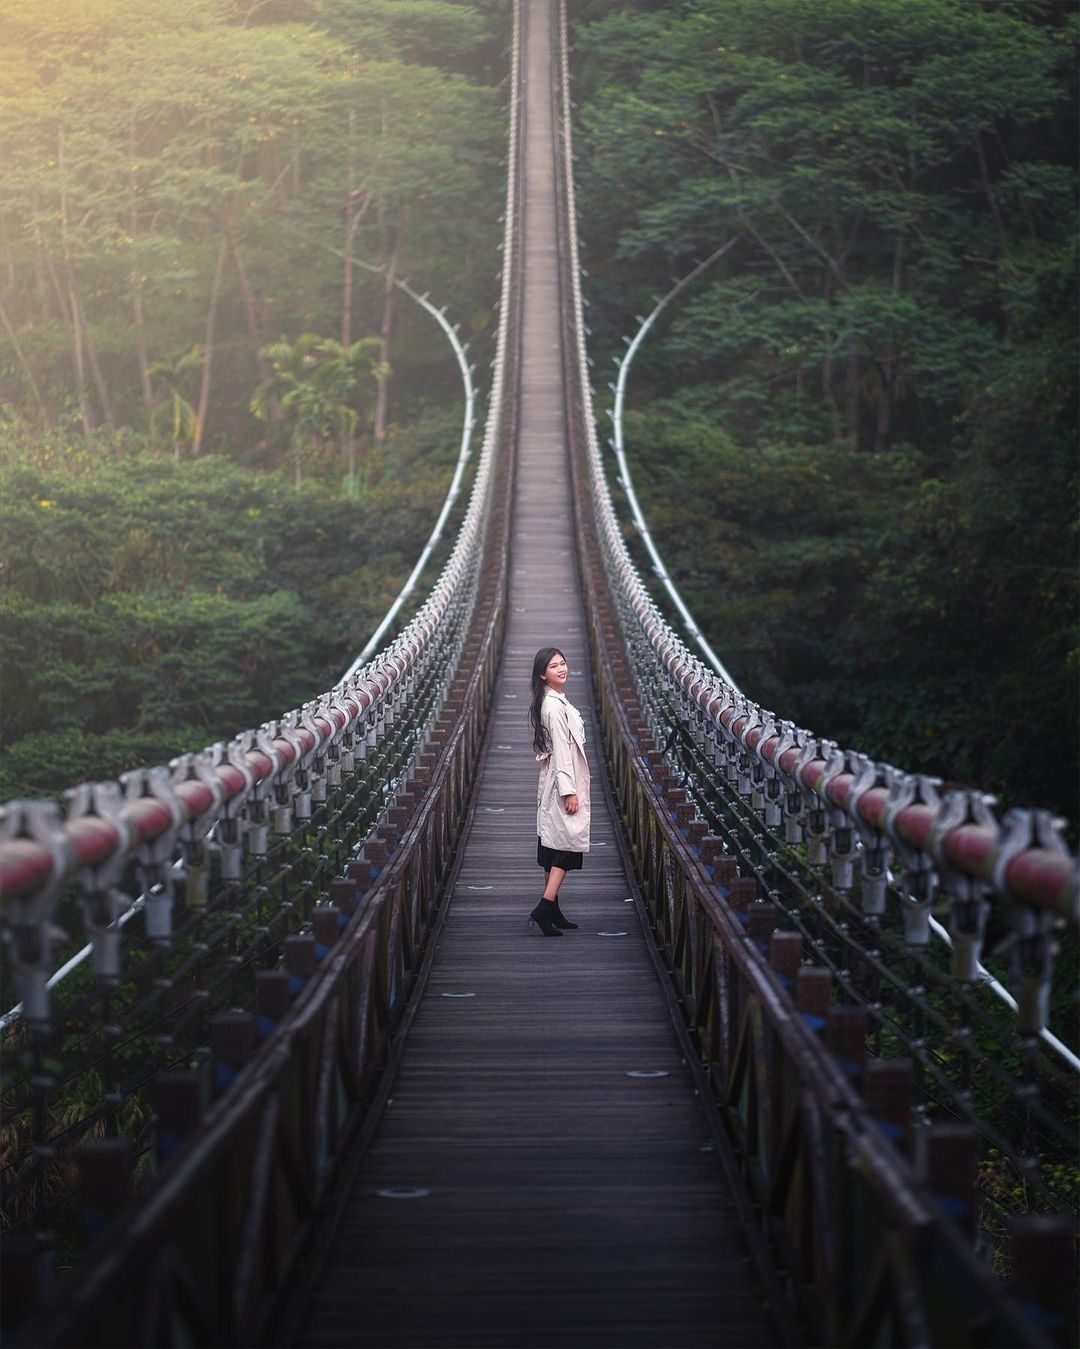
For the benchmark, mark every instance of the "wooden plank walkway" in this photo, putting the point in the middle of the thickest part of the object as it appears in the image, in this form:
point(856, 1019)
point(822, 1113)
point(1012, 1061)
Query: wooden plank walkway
point(567, 1203)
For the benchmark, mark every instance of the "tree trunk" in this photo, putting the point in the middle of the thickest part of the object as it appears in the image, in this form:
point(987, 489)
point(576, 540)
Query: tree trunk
point(208, 346)
point(75, 337)
point(251, 316)
point(251, 308)
point(853, 394)
point(140, 346)
point(89, 421)
point(41, 280)
point(883, 429)
point(350, 230)
point(136, 286)
point(8, 270)
point(887, 395)
point(382, 392)
point(828, 387)
point(41, 283)
point(99, 380)
point(991, 200)
point(354, 214)
point(21, 358)
point(70, 313)
point(78, 318)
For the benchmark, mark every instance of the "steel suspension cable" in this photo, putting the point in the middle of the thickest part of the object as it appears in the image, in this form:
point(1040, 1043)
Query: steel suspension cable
point(371, 646)
point(250, 809)
point(626, 480)
point(660, 570)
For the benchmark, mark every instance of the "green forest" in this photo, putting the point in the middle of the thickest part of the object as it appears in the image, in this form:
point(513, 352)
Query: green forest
point(225, 431)
point(855, 435)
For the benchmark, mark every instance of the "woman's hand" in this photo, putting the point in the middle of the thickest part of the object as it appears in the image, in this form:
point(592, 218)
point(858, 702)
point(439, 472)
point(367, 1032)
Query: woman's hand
point(570, 804)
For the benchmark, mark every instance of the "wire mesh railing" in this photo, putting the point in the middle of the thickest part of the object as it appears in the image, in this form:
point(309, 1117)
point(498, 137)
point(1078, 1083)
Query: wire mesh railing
point(974, 970)
point(793, 888)
point(224, 1048)
point(126, 912)
point(257, 915)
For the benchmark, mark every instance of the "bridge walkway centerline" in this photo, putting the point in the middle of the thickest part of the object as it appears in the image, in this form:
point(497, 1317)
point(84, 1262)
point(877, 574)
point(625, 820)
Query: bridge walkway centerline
point(564, 1202)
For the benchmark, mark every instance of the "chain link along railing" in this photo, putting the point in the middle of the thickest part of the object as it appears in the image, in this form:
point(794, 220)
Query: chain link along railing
point(177, 1109)
point(905, 1145)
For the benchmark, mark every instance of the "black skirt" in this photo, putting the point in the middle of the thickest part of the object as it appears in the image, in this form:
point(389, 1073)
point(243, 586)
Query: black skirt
point(557, 857)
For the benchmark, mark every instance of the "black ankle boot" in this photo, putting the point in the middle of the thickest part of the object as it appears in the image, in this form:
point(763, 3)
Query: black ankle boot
point(544, 918)
point(560, 919)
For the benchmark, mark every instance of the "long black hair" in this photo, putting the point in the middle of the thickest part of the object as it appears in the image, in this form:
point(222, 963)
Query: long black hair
point(541, 661)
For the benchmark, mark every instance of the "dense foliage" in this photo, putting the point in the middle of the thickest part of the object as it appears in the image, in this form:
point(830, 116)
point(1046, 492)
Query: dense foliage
point(186, 186)
point(151, 607)
point(856, 436)
point(204, 355)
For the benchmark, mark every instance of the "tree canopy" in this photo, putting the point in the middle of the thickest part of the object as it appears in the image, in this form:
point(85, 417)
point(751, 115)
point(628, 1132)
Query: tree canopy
point(226, 432)
point(875, 386)
point(150, 607)
point(198, 179)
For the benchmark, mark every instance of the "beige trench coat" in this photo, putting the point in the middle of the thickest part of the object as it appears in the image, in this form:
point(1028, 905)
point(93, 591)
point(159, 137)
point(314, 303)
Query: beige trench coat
point(563, 772)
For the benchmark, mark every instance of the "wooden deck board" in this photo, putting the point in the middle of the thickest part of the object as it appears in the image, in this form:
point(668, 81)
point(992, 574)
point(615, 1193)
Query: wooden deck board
point(568, 1204)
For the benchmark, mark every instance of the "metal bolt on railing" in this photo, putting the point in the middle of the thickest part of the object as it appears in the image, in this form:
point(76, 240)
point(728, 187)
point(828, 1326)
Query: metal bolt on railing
point(918, 871)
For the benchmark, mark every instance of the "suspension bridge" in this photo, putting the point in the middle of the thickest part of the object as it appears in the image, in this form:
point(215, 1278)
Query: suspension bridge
point(318, 1085)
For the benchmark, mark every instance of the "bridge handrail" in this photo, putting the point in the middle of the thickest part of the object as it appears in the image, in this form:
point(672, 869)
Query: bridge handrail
point(251, 1130)
point(31, 861)
point(40, 853)
point(626, 478)
point(460, 350)
point(870, 1203)
point(626, 481)
point(28, 866)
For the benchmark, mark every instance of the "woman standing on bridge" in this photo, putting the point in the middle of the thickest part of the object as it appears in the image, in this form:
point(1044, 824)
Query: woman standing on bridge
point(562, 796)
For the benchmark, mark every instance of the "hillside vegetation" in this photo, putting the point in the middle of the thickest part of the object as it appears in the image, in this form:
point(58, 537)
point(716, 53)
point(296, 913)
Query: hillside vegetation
point(856, 434)
point(225, 431)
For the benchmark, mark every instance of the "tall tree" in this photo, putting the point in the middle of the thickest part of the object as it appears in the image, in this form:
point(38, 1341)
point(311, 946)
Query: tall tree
point(175, 177)
point(174, 412)
point(315, 382)
point(874, 391)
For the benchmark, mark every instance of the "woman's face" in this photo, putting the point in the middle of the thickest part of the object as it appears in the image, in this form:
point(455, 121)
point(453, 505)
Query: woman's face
point(556, 672)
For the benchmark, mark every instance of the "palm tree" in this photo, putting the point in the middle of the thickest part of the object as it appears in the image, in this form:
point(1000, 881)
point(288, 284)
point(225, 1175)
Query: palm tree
point(291, 365)
point(175, 412)
point(313, 380)
point(342, 371)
